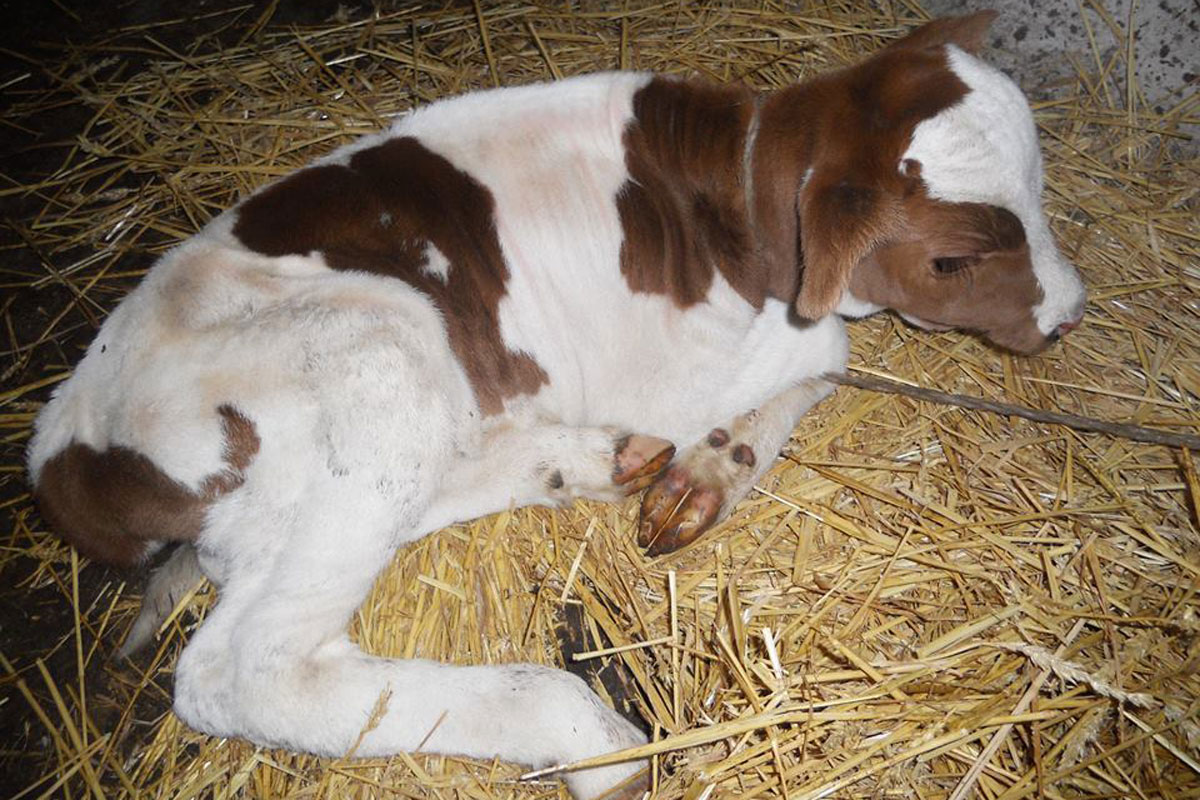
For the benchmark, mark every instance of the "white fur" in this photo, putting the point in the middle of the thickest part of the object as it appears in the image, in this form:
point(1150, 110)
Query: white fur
point(370, 436)
point(854, 308)
point(993, 126)
point(436, 264)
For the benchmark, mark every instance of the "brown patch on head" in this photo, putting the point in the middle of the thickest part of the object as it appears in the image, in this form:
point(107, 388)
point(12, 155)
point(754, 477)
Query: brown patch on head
point(958, 265)
point(826, 163)
point(834, 146)
point(109, 504)
point(379, 214)
point(860, 217)
point(683, 208)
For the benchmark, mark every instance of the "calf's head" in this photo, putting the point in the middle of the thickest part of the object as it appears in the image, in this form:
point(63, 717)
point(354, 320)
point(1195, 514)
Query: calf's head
point(920, 191)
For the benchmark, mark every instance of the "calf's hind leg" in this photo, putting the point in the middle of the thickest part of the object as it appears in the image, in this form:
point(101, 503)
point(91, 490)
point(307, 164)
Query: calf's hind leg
point(274, 663)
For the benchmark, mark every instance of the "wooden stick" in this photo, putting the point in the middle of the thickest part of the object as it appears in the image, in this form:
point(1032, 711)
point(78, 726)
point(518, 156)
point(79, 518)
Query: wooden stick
point(1135, 433)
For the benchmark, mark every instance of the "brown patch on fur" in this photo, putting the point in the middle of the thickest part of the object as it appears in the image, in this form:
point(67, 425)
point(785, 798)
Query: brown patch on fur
point(683, 208)
point(109, 504)
point(961, 265)
point(241, 446)
point(378, 214)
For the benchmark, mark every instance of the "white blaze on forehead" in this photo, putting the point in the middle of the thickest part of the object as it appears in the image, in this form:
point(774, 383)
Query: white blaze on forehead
point(984, 149)
point(436, 264)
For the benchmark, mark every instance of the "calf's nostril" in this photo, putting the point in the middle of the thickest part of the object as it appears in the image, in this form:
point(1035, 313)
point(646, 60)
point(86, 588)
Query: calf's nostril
point(1062, 330)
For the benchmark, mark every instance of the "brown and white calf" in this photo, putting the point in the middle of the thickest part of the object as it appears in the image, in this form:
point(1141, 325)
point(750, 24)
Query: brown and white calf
point(523, 296)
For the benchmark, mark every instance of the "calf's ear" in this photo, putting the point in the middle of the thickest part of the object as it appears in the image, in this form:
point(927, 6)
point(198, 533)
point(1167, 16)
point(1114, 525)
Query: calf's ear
point(841, 222)
point(967, 32)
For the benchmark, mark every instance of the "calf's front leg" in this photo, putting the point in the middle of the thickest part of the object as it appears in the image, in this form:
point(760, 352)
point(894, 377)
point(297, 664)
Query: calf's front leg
point(545, 464)
point(708, 478)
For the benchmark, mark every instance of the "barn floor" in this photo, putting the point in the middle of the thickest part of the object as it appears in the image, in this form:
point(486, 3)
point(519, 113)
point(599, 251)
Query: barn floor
point(919, 600)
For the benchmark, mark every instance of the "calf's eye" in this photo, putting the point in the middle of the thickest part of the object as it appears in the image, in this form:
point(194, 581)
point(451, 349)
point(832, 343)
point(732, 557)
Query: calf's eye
point(950, 264)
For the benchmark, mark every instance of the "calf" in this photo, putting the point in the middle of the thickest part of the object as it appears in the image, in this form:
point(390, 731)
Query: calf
point(520, 297)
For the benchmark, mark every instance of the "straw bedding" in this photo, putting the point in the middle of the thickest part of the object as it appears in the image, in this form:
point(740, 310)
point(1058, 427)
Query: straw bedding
point(917, 601)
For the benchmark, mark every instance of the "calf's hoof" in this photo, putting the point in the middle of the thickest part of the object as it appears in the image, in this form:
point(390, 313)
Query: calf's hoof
point(676, 510)
point(638, 460)
point(696, 491)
